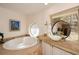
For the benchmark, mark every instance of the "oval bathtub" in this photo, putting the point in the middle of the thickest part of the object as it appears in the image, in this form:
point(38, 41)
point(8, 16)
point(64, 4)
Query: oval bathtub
point(20, 43)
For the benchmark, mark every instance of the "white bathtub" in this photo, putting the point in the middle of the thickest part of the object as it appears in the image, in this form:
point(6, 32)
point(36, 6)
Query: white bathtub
point(20, 43)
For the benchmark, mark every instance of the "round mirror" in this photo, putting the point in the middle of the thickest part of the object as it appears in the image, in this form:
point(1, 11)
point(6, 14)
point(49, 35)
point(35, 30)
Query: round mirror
point(61, 29)
point(34, 30)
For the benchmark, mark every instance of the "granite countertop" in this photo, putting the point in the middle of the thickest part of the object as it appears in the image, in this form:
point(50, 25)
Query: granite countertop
point(68, 46)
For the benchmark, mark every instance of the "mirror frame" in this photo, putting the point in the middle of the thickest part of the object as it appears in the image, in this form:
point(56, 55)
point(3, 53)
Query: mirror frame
point(64, 22)
point(30, 26)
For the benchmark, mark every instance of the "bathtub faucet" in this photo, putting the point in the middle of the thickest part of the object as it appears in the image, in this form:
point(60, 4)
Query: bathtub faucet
point(2, 37)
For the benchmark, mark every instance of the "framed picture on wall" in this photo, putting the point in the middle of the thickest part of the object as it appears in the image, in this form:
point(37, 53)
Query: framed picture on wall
point(14, 25)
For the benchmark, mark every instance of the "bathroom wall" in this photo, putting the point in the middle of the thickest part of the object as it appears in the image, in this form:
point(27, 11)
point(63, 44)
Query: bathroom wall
point(5, 16)
point(60, 7)
point(40, 20)
point(44, 16)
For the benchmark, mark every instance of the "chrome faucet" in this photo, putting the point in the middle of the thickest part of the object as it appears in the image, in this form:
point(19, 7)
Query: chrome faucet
point(2, 41)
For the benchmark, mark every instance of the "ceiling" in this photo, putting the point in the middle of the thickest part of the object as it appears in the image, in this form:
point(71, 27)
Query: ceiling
point(25, 8)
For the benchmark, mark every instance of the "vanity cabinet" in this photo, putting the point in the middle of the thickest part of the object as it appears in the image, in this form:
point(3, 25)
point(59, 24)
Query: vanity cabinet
point(51, 50)
point(57, 51)
point(46, 49)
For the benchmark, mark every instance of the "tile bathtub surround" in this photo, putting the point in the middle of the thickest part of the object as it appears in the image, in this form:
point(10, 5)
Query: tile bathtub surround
point(35, 50)
point(7, 39)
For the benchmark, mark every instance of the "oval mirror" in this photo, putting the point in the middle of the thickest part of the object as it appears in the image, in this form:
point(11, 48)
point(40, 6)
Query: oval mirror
point(34, 30)
point(61, 29)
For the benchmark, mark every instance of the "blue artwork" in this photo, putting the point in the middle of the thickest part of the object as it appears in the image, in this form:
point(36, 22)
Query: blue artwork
point(15, 25)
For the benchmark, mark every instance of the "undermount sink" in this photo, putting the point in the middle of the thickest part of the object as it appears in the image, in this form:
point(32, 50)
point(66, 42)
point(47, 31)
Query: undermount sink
point(20, 43)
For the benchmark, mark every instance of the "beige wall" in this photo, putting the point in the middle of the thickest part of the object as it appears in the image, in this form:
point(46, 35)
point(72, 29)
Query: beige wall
point(39, 18)
point(5, 16)
point(44, 16)
point(58, 8)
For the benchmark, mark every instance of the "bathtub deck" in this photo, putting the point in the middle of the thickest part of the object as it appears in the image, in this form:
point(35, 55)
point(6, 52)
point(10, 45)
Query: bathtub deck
point(35, 50)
